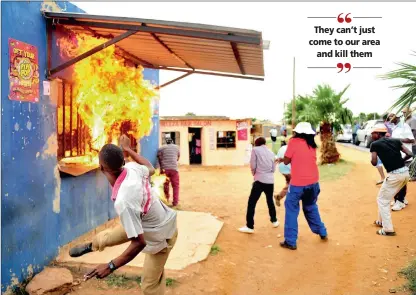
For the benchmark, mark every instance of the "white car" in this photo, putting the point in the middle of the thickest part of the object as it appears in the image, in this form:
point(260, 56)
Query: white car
point(364, 134)
point(345, 135)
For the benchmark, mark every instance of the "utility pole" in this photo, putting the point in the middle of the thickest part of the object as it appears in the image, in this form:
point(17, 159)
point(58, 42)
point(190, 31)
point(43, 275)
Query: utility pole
point(293, 100)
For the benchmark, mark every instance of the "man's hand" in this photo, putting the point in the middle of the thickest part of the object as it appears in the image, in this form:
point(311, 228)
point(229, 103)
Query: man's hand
point(125, 142)
point(388, 134)
point(162, 171)
point(279, 160)
point(100, 272)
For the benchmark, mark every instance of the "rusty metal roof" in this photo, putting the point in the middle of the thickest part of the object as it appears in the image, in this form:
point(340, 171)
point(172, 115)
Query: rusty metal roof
point(166, 45)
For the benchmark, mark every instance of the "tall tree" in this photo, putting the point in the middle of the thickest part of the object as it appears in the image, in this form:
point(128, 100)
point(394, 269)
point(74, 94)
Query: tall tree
point(406, 72)
point(325, 107)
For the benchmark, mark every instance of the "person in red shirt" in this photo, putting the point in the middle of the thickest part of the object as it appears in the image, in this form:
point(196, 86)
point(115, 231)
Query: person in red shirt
point(304, 185)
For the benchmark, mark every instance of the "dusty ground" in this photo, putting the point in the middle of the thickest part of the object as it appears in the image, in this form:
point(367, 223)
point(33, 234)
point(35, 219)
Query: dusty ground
point(354, 261)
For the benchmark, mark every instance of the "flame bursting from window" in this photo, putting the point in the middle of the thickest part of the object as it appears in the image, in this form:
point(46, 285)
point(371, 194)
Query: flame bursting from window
point(111, 97)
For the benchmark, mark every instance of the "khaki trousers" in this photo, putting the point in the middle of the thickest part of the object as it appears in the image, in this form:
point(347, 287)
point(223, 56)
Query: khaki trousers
point(153, 277)
point(391, 186)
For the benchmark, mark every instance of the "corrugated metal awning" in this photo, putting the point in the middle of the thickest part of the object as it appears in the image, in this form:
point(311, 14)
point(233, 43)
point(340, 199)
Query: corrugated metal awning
point(166, 45)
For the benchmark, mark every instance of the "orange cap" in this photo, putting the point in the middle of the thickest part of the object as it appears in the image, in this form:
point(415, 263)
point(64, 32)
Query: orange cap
point(379, 129)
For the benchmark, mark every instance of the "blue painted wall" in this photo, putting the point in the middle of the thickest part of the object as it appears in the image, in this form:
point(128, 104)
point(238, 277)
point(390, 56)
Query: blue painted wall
point(31, 230)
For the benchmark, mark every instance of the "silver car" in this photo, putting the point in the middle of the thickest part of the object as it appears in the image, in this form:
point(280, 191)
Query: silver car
point(345, 135)
point(364, 134)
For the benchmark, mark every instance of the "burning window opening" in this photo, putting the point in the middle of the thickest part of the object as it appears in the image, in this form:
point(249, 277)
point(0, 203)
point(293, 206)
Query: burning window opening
point(106, 97)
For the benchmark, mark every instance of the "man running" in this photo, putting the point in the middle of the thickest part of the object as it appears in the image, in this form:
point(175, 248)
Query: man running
point(389, 150)
point(146, 222)
point(262, 164)
point(168, 157)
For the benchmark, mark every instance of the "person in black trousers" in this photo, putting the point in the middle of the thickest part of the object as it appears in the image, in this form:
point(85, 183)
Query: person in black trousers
point(263, 166)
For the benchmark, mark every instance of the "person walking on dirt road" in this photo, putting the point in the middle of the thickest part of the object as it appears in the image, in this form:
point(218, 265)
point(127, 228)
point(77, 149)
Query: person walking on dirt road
point(168, 157)
point(148, 224)
point(304, 185)
point(389, 150)
point(262, 164)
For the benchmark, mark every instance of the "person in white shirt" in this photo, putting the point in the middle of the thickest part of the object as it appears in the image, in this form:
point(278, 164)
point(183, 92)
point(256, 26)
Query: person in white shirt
point(402, 131)
point(273, 134)
point(411, 121)
point(147, 223)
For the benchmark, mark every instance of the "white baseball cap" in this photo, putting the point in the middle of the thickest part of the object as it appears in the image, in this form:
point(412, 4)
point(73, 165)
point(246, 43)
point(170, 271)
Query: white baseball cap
point(304, 127)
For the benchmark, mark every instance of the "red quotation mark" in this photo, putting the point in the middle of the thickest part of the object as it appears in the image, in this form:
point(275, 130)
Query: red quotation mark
point(341, 19)
point(342, 66)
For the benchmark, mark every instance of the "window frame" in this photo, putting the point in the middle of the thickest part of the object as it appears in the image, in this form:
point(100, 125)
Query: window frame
point(227, 145)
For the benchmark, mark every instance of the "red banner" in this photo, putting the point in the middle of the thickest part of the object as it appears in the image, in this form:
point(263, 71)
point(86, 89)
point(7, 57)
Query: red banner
point(24, 71)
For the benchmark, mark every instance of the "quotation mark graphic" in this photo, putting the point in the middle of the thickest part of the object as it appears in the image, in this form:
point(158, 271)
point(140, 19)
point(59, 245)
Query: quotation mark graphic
point(341, 19)
point(342, 66)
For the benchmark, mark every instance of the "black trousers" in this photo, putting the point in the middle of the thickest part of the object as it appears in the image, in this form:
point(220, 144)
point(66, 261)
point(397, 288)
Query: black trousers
point(401, 194)
point(256, 191)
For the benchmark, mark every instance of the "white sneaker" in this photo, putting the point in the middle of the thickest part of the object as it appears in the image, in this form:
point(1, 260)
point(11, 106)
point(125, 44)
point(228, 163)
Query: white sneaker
point(246, 230)
point(398, 206)
point(276, 223)
point(405, 201)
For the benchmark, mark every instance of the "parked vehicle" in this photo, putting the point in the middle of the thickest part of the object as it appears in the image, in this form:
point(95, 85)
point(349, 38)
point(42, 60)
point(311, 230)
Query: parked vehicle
point(364, 134)
point(345, 135)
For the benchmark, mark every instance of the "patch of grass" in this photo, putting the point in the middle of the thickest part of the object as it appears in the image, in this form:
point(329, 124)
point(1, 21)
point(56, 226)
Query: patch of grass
point(215, 249)
point(410, 274)
point(170, 282)
point(334, 171)
point(127, 282)
point(118, 281)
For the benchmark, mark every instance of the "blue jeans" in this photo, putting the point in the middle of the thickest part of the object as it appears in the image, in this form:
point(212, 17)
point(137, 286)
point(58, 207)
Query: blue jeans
point(308, 195)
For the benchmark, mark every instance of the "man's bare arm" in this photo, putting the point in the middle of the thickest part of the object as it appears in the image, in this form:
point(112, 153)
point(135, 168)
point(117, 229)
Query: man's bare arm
point(407, 140)
point(287, 160)
point(125, 144)
point(374, 158)
point(135, 247)
point(103, 270)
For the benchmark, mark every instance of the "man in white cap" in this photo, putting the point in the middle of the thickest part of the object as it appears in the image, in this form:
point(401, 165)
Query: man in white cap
point(390, 151)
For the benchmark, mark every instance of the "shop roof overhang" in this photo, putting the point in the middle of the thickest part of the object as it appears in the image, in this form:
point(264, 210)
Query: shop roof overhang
point(167, 45)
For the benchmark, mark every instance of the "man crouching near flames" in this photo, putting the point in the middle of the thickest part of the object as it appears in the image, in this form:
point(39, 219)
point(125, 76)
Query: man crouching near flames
point(146, 222)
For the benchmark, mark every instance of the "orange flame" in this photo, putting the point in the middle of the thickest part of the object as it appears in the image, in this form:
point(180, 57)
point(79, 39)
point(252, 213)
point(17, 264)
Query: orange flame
point(107, 92)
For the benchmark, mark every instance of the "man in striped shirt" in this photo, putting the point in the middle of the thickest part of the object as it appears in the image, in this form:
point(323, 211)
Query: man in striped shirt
point(168, 157)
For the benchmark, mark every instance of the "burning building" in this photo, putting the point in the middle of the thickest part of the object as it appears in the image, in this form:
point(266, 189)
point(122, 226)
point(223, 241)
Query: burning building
point(72, 82)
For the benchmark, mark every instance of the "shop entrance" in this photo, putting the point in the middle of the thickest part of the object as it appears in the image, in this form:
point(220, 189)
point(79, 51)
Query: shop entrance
point(195, 146)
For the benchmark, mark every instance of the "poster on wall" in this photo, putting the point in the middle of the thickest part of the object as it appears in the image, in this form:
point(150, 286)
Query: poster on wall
point(242, 133)
point(23, 71)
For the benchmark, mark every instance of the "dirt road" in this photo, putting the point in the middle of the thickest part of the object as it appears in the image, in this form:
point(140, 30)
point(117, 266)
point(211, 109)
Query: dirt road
point(354, 261)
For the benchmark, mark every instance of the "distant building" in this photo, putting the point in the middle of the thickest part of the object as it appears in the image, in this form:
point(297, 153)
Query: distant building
point(208, 140)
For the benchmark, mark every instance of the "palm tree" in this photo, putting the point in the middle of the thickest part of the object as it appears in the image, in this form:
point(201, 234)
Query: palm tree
point(325, 107)
point(406, 72)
